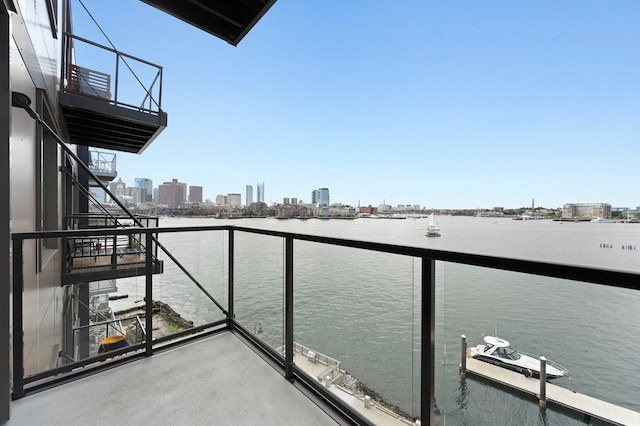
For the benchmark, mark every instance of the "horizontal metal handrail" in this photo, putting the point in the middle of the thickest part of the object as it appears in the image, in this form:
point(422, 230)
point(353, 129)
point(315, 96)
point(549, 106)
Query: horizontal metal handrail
point(609, 277)
point(121, 56)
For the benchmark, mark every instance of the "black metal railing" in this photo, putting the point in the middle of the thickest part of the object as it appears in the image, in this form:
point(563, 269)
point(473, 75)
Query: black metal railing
point(138, 87)
point(424, 258)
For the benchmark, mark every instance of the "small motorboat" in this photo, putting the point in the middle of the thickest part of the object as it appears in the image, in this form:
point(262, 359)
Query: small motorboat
point(498, 352)
point(111, 343)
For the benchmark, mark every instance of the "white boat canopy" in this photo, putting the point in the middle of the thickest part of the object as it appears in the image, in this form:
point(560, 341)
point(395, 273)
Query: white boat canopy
point(496, 341)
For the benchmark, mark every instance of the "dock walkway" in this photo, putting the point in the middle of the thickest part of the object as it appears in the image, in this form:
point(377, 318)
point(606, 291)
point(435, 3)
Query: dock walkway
point(563, 397)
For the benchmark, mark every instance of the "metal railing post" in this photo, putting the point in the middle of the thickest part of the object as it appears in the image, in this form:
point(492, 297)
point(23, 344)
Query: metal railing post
point(288, 330)
point(115, 88)
point(428, 342)
point(230, 312)
point(148, 294)
point(18, 322)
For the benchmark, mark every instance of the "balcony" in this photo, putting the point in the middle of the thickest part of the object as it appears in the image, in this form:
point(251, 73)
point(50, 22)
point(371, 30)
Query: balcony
point(108, 99)
point(281, 319)
point(99, 254)
point(103, 165)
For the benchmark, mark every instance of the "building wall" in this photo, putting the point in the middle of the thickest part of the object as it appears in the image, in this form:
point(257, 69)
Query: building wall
point(36, 75)
point(5, 275)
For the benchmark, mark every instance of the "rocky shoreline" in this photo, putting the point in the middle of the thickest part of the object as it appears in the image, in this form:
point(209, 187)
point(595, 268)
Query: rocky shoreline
point(353, 385)
point(165, 320)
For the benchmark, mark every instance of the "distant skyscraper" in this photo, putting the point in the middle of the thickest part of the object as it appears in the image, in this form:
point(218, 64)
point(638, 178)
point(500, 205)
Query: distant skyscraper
point(260, 187)
point(118, 188)
point(221, 200)
point(249, 195)
point(323, 197)
point(234, 200)
point(195, 194)
point(172, 194)
point(145, 187)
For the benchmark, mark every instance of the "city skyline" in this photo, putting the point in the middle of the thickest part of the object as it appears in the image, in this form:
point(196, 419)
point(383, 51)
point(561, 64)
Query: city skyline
point(318, 197)
point(464, 104)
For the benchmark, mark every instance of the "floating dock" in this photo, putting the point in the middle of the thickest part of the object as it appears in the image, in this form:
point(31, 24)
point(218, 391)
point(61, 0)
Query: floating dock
point(589, 407)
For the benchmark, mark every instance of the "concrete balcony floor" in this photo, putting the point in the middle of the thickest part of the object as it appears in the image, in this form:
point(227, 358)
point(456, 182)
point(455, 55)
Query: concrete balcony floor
point(213, 381)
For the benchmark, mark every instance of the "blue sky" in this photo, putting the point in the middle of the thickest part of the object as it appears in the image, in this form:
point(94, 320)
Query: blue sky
point(446, 104)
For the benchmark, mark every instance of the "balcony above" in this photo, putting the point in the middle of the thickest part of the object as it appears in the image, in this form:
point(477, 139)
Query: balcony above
point(103, 165)
point(110, 100)
point(228, 20)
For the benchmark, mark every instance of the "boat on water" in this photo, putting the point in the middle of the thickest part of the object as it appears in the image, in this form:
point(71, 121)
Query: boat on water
point(433, 230)
point(602, 220)
point(497, 351)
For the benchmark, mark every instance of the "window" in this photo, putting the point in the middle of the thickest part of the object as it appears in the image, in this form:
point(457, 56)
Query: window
point(52, 11)
point(47, 201)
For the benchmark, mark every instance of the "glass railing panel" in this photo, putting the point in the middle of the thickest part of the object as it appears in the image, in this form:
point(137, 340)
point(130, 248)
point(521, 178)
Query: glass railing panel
point(586, 329)
point(203, 255)
point(259, 286)
point(355, 326)
point(43, 301)
point(107, 334)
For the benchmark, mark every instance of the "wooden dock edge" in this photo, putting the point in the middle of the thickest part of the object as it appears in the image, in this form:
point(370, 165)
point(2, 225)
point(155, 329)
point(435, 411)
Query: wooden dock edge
point(584, 405)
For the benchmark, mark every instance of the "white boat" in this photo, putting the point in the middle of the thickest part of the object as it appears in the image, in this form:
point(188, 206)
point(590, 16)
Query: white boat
point(498, 352)
point(433, 230)
point(602, 220)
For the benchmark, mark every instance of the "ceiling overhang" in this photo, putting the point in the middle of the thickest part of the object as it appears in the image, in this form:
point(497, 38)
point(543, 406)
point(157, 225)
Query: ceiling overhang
point(229, 20)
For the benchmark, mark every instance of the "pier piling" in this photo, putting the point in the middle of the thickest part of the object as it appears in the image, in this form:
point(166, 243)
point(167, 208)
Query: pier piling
point(542, 401)
point(463, 357)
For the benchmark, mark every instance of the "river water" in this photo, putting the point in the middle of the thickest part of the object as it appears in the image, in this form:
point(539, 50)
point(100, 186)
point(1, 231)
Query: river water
point(362, 307)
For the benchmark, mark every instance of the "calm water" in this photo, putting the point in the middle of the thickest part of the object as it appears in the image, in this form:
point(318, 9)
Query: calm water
point(360, 307)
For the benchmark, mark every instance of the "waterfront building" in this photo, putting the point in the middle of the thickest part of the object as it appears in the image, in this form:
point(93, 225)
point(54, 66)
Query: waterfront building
point(221, 200)
point(368, 211)
point(195, 194)
point(145, 186)
point(133, 195)
point(249, 195)
point(586, 211)
point(260, 190)
point(323, 197)
point(234, 200)
point(119, 188)
point(320, 199)
point(341, 210)
point(172, 194)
